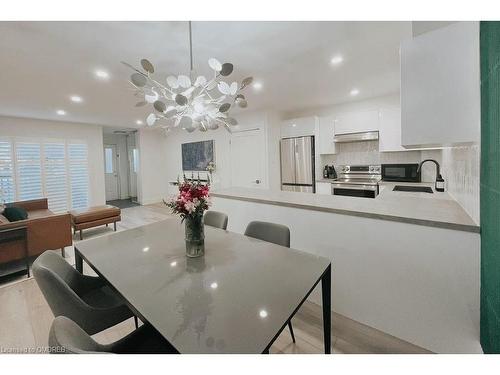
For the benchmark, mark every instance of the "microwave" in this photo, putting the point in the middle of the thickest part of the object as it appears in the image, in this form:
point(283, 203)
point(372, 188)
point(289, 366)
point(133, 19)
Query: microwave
point(401, 172)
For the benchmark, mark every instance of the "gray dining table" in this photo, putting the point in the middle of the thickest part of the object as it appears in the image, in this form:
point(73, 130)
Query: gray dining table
point(237, 298)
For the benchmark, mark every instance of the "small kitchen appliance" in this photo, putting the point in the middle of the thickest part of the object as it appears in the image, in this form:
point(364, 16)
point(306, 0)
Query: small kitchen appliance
point(329, 172)
point(401, 172)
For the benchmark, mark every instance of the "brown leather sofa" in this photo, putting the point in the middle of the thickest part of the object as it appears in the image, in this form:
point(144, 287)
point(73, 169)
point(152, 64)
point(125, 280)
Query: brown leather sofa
point(45, 231)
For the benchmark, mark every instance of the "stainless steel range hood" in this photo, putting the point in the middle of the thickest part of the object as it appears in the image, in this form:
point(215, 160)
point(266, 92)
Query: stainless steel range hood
point(356, 137)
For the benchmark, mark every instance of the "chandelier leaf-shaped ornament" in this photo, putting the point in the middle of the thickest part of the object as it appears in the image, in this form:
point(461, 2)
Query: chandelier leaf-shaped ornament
point(188, 102)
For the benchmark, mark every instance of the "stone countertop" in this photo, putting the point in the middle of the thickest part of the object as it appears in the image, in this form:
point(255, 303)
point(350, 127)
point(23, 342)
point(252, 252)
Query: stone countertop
point(438, 210)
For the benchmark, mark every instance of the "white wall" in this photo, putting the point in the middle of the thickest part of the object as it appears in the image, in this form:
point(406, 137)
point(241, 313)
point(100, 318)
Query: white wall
point(161, 158)
point(23, 127)
point(153, 180)
point(391, 100)
point(120, 140)
point(131, 145)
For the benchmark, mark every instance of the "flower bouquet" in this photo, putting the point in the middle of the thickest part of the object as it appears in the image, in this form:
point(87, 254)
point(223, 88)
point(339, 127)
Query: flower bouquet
point(190, 204)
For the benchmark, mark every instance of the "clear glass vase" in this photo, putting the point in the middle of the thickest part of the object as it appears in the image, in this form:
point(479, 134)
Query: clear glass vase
point(195, 236)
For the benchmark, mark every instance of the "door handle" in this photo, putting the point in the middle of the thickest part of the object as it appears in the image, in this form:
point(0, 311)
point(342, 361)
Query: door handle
point(257, 182)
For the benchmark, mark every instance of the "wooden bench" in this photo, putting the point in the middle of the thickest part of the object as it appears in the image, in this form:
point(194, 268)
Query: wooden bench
point(93, 217)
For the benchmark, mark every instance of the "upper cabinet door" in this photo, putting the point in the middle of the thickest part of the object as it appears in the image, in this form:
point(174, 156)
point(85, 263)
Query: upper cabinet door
point(356, 122)
point(390, 130)
point(326, 133)
point(299, 127)
point(440, 91)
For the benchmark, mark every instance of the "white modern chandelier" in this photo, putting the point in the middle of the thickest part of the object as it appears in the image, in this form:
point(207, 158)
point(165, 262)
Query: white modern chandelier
point(190, 103)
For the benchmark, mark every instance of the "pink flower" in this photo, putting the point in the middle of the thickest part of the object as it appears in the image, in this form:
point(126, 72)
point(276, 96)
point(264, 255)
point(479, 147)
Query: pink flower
point(190, 207)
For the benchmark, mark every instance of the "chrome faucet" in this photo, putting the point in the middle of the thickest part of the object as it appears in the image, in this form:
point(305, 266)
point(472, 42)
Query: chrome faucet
point(439, 185)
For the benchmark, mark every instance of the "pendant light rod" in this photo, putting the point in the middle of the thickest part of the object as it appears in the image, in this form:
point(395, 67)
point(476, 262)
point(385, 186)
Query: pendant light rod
point(190, 48)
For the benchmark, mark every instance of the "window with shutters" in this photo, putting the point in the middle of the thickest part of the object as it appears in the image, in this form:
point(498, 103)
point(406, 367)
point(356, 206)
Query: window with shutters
point(79, 175)
point(29, 171)
point(7, 188)
point(57, 170)
point(56, 184)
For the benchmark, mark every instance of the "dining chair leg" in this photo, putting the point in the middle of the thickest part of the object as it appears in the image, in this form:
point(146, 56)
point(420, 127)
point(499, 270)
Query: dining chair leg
point(81, 235)
point(114, 224)
point(63, 253)
point(136, 321)
point(291, 330)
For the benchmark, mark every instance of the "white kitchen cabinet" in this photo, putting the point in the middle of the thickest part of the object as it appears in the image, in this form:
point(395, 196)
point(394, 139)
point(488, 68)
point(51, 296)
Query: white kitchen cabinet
point(356, 122)
point(440, 91)
point(299, 127)
point(390, 130)
point(326, 132)
point(324, 188)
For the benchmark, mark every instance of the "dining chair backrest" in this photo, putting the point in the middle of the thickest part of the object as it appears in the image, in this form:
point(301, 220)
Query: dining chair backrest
point(66, 337)
point(58, 281)
point(270, 232)
point(216, 219)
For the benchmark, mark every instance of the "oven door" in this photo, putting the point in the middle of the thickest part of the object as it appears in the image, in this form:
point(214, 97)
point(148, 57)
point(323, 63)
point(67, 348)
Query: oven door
point(355, 190)
point(400, 172)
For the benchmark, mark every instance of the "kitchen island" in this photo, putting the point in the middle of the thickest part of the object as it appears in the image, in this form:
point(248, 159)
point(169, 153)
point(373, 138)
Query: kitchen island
point(404, 263)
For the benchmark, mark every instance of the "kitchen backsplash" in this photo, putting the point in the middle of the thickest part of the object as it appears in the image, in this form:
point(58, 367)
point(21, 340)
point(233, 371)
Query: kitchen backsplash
point(459, 167)
point(367, 153)
point(461, 171)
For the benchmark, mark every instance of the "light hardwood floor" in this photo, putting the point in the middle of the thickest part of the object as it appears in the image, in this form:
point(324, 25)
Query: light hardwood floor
point(25, 317)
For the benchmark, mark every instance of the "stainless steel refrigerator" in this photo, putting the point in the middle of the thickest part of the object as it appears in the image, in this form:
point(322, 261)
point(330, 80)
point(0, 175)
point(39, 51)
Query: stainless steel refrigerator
point(297, 164)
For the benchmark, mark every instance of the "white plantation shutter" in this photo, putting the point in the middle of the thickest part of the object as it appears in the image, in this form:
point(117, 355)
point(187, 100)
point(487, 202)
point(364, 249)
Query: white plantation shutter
point(55, 169)
point(79, 175)
point(56, 184)
point(7, 188)
point(29, 171)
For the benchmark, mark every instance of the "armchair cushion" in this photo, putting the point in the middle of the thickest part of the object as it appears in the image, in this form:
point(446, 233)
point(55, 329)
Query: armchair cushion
point(15, 213)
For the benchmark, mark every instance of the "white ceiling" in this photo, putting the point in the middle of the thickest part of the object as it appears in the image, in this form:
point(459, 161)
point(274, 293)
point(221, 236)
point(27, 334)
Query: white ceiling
point(43, 63)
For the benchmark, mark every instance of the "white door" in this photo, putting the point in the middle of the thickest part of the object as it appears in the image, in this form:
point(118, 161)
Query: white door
point(111, 172)
point(248, 153)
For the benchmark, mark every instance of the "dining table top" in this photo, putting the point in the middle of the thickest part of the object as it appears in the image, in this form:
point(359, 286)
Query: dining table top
point(234, 299)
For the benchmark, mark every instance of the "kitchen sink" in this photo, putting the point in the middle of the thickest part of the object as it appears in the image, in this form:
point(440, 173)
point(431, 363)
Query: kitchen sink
point(413, 189)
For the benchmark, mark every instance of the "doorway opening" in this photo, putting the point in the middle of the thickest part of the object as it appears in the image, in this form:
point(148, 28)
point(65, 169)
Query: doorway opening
point(121, 165)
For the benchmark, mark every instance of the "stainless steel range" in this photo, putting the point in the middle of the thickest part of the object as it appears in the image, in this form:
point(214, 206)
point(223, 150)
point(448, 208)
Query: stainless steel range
point(358, 181)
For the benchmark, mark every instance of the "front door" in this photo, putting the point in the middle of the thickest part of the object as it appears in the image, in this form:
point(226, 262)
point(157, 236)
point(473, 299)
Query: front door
point(111, 172)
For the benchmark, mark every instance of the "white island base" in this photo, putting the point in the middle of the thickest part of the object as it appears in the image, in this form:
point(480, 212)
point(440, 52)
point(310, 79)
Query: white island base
point(416, 282)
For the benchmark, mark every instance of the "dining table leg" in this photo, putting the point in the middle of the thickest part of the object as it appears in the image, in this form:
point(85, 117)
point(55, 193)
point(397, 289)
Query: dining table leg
point(78, 261)
point(326, 285)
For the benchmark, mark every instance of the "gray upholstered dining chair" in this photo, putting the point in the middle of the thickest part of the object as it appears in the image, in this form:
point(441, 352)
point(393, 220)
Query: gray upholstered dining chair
point(215, 219)
point(66, 337)
point(84, 299)
point(271, 232)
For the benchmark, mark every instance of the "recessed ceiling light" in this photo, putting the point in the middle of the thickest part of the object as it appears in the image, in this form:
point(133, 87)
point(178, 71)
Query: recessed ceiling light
point(257, 86)
point(263, 313)
point(102, 74)
point(336, 60)
point(354, 92)
point(145, 249)
point(61, 112)
point(173, 264)
point(139, 122)
point(76, 99)
point(214, 285)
